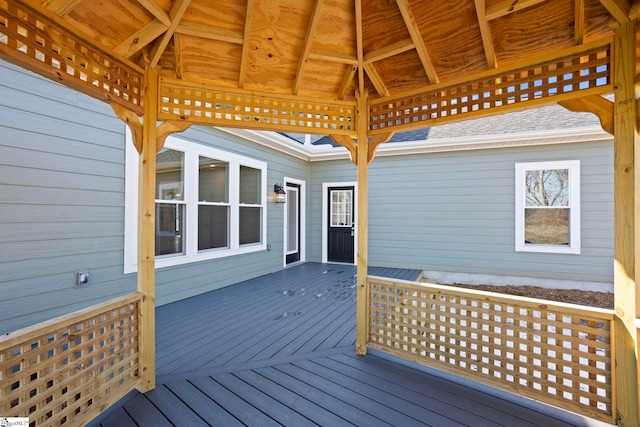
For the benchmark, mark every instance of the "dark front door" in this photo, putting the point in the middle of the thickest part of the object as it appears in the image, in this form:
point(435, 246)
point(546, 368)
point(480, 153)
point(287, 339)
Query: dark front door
point(341, 225)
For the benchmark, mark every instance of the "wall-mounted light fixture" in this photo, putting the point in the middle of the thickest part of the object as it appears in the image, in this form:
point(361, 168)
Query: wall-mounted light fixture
point(280, 195)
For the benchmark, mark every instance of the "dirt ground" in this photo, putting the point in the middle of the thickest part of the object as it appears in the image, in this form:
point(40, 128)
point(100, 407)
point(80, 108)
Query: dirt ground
point(573, 296)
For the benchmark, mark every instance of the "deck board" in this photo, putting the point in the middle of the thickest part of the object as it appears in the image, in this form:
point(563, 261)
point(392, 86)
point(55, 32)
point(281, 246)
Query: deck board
point(279, 350)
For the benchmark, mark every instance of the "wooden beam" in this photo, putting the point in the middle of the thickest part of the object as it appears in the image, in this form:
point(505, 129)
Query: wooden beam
point(346, 82)
point(362, 291)
point(330, 56)
point(244, 60)
point(626, 179)
point(416, 36)
point(349, 144)
point(359, 45)
point(308, 41)
point(485, 32)
point(378, 83)
point(166, 129)
point(177, 48)
point(138, 40)
point(377, 140)
point(578, 22)
point(61, 7)
point(596, 104)
point(132, 121)
point(619, 9)
point(178, 10)
point(147, 232)
point(211, 33)
point(153, 8)
point(508, 6)
point(390, 50)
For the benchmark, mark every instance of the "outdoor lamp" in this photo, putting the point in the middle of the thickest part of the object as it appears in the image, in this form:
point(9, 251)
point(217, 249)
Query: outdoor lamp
point(281, 196)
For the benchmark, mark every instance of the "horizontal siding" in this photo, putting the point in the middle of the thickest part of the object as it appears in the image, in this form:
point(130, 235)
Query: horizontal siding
point(455, 212)
point(62, 188)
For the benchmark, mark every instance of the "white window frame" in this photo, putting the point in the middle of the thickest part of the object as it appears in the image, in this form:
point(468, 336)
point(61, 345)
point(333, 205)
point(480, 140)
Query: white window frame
point(573, 167)
point(192, 151)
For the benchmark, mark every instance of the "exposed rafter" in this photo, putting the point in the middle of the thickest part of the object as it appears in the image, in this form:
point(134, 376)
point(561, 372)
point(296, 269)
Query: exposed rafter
point(308, 41)
point(330, 56)
point(177, 44)
point(359, 45)
point(245, 44)
point(211, 33)
point(390, 50)
point(61, 7)
point(346, 82)
point(378, 83)
point(485, 31)
point(141, 38)
point(619, 9)
point(179, 8)
point(421, 48)
point(509, 6)
point(153, 8)
point(578, 22)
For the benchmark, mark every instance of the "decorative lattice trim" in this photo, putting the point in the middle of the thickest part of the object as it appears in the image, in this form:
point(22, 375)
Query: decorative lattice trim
point(555, 353)
point(248, 110)
point(68, 370)
point(580, 73)
point(39, 44)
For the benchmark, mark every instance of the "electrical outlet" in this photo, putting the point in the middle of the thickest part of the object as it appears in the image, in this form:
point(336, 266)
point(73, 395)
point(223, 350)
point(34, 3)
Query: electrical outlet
point(82, 278)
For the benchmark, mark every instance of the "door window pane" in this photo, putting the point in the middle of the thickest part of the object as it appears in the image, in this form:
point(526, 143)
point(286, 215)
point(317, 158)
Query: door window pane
point(341, 208)
point(292, 219)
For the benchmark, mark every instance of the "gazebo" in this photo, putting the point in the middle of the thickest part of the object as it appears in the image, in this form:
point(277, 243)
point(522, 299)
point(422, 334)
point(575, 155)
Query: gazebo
point(357, 70)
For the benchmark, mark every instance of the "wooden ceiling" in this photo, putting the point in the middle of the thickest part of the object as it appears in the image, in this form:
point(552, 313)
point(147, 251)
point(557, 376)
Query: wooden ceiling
point(324, 50)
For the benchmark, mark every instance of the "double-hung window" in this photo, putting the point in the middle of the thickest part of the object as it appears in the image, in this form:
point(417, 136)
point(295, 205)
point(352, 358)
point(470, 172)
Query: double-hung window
point(209, 204)
point(548, 207)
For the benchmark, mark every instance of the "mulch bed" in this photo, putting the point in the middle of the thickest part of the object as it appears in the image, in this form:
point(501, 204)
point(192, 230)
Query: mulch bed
point(573, 296)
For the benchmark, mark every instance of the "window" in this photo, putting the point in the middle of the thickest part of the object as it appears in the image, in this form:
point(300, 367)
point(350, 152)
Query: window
point(209, 204)
point(548, 207)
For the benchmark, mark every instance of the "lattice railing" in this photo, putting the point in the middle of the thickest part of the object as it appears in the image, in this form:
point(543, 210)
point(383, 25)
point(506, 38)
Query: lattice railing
point(179, 101)
point(40, 44)
point(68, 370)
point(578, 73)
point(556, 353)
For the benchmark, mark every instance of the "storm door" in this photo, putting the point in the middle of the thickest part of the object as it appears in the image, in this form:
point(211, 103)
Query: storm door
point(292, 212)
point(340, 242)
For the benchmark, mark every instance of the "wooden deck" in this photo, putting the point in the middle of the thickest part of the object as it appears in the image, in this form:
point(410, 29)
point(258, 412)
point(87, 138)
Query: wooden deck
point(279, 350)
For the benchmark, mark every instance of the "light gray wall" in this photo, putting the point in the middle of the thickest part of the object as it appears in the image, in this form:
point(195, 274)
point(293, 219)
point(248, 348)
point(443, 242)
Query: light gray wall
point(455, 211)
point(62, 183)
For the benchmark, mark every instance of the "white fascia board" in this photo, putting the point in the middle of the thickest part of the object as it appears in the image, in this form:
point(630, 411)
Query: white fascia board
point(315, 153)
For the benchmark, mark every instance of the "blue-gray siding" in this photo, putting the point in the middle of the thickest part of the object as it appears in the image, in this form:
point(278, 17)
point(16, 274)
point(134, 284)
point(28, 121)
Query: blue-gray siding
point(454, 211)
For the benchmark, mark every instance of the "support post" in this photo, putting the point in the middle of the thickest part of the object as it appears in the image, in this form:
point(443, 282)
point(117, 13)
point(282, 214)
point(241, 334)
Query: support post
point(362, 293)
point(626, 230)
point(146, 232)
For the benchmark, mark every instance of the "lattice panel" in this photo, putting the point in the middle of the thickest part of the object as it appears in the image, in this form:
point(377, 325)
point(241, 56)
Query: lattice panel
point(555, 353)
point(570, 76)
point(68, 371)
point(251, 111)
point(43, 46)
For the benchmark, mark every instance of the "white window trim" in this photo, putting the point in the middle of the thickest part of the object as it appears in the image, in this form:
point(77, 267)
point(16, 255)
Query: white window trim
point(574, 204)
point(192, 151)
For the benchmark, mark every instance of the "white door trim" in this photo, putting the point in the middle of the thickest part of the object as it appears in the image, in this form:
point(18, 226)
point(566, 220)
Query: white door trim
point(303, 220)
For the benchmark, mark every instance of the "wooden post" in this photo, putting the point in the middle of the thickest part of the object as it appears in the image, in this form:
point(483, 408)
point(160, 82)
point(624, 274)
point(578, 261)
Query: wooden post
point(362, 294)
point(146, 231)
point(626, 208)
